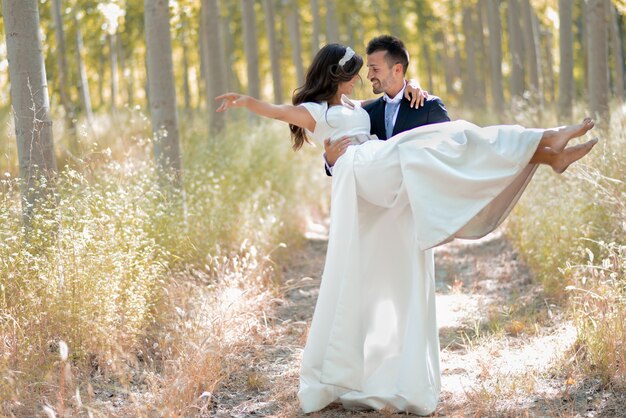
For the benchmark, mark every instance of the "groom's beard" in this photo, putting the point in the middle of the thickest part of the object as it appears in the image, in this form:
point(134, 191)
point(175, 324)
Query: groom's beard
point(377, 86)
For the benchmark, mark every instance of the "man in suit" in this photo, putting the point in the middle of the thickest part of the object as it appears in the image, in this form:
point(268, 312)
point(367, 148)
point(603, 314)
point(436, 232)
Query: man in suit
point(390, 114)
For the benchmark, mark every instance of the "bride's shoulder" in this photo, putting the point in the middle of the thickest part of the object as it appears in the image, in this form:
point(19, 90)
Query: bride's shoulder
point(315, 109)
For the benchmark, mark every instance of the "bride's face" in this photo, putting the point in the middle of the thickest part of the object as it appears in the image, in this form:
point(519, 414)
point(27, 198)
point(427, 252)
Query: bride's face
point(346, 87)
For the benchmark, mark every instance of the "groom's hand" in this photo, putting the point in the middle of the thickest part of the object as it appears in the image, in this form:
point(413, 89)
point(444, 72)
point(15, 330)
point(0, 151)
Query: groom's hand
point(335, 149)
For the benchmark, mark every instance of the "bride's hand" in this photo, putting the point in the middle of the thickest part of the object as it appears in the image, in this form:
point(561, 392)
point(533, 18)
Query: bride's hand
point(231, 100)
point(415, 94)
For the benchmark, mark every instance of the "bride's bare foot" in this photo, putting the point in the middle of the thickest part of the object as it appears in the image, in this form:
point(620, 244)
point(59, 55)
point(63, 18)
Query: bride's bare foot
point(571, 155)
point(558, 139)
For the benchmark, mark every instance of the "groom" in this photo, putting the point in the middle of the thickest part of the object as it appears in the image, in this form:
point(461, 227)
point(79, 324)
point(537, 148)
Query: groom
point(387, 62)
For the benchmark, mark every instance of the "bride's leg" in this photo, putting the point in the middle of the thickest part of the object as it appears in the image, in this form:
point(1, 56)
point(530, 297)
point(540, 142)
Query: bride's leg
point(559, 161)
point(558, 138)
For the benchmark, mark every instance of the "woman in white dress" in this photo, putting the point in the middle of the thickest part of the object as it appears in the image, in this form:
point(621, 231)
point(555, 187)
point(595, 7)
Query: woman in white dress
point(373, 340)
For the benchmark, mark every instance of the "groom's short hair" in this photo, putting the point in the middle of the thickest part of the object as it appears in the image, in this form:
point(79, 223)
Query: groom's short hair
point(396, 51)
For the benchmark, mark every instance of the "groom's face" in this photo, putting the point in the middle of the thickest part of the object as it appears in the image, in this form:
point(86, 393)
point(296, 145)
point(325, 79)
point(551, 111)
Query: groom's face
point(382, 77)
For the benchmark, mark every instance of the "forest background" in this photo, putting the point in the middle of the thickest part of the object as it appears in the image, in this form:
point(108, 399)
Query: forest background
point(148, 198)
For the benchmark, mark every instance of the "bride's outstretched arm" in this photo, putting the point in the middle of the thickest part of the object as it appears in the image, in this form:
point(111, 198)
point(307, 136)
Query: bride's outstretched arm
point(295, 115)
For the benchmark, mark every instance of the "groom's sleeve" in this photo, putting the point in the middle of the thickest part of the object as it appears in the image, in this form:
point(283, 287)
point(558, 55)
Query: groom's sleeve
point(437, 111)
point(329, 169)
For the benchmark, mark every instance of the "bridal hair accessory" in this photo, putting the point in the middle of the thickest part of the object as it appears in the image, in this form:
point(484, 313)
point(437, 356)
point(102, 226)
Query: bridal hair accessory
point(347, 56)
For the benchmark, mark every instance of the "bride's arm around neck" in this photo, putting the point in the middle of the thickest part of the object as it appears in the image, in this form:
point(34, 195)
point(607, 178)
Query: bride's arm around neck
point(295, 115)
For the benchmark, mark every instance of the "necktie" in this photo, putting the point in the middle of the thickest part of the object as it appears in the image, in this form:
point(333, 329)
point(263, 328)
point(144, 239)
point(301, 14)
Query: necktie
point(390, 110)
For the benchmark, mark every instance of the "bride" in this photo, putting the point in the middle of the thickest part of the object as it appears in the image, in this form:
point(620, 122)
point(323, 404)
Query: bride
point(373, 339)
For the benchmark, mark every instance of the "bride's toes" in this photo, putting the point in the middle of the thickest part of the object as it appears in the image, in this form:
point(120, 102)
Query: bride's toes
point(565, 134)
point(572, 154)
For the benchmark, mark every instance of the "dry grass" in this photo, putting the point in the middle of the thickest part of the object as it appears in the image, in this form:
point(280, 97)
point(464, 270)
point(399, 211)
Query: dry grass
point(149, 298)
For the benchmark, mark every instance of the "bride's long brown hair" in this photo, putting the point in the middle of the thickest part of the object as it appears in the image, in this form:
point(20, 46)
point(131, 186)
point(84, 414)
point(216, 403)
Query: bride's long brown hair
point(322, 81)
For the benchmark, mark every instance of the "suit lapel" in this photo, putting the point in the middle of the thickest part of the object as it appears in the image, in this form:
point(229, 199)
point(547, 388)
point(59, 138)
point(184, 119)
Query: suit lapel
point(377, 118)
point(403, 114)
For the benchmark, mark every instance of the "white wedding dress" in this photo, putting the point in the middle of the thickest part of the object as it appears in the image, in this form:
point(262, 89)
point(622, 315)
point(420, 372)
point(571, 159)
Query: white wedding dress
point(373, 341)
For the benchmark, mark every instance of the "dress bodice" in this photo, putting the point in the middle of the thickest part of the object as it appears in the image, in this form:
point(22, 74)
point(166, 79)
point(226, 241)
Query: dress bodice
point(334, 122)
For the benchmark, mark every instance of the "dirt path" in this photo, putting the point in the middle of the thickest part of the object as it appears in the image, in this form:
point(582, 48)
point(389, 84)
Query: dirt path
point(502, 345)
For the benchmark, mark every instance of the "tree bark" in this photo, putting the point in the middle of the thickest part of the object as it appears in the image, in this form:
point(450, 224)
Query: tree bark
point(470, 80)
point(162, 91)
point(114, 75)
point(68, 108)
point(270, 29)
point(598, 60)
point(531, 43)
point(517, 49)
point(332, 25)
point(293, 21)
point(83, 83)
point(548, 74)
point(618, 54)
point(214, 63)
point(30, 102)
point(495, 54)
point(566, 53)
point(317, 27)
point(251, 47)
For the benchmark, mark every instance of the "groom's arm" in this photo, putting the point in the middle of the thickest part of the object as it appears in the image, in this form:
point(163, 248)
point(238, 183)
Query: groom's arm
point(332, 152)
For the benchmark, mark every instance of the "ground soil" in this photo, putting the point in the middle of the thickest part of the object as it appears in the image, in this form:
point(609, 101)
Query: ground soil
point(504, 347)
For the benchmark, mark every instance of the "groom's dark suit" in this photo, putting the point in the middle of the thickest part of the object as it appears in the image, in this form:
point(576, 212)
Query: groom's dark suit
point(408, 118)
point(433, 111)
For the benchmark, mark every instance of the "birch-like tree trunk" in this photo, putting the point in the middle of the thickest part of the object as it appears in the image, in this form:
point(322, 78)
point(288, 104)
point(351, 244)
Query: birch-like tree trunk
point(317, 27)
point(293, 22)
point(114, 76)
point(270, 29)
point(251, 47)
point(186, 87)
point(332, 24)
point(214, 65)
point(516, 48)
point(162, 91)
point(63, 68)
point(470, 80)
point(127, 74)
point(618, 54)
point(83, 83)
point(495, 53)
point(531, 47)
point(566, 53)
point(598, 59)
point(548, 74)
point(30, 102)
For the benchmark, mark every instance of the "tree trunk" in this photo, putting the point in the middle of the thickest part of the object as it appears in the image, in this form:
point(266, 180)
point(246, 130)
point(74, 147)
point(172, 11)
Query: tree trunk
point(214, 64)
point(101, 65)
point(317, 27)
point(162, 91)
point(270, 29)
point(114, 77)
point(68, 108)
point(470, 80)
point(495, 54)
point(332, 25)
point(186, 88)
point(293, 19)
point(83, 83)
point(126, 73)
point(531, 43)
point(447, 65)
point(618, 54)
point(598, 60)
point(566, 53)
point(517, 50)
point(30, 102)
point(396, 19)
point(232, 80)
point(251, 47)
point(549, 69)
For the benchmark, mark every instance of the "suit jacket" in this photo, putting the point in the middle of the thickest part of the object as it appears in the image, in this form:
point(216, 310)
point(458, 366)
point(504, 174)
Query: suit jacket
point(433, 111)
